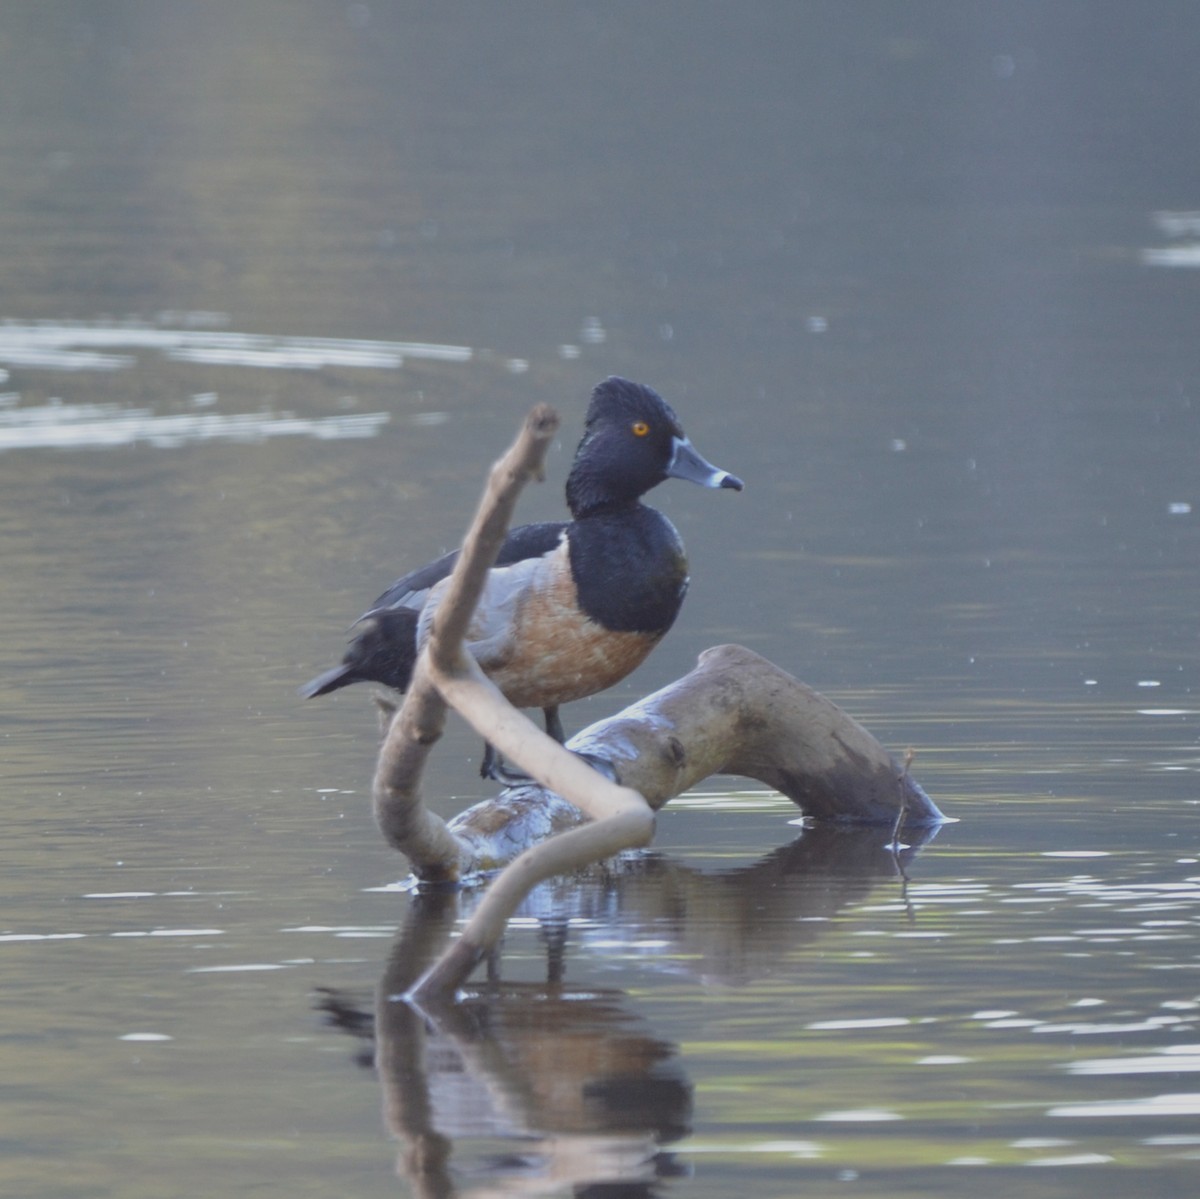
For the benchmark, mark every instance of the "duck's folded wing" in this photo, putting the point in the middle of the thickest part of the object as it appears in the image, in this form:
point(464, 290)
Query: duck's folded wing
point(409, 590)
point(526, 541)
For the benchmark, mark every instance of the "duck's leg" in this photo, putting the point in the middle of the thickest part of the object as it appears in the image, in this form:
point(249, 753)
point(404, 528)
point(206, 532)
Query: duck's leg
point(490, 763)
point(493, 766)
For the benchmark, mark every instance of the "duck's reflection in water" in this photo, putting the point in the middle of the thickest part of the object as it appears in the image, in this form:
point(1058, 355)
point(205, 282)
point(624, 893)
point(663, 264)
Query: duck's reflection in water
point(549, 1088)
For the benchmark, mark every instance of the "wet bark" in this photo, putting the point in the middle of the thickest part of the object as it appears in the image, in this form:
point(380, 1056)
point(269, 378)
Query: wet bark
point(735, 713)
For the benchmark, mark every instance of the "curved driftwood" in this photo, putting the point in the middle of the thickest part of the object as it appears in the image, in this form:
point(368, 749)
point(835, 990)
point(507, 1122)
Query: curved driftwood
point(735, 713)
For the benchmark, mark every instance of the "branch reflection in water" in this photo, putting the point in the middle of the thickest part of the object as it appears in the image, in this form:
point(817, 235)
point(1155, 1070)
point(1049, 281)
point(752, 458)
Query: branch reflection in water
point(589, 1093)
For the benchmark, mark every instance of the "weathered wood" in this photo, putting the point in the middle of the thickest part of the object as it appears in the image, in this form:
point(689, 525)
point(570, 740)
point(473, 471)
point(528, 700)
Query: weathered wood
point(620, 818)
point(735, 713)
point(446, 673)
point(403, 818)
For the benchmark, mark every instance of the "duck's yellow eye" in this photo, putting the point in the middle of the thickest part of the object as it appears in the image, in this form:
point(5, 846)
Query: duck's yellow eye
point(640, 428)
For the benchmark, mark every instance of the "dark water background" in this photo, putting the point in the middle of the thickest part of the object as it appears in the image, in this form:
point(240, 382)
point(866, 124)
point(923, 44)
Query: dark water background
point(279, 281)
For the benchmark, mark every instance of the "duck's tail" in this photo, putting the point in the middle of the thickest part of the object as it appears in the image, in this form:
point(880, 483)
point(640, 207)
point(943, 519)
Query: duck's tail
point(330, 680)
point(385, 651)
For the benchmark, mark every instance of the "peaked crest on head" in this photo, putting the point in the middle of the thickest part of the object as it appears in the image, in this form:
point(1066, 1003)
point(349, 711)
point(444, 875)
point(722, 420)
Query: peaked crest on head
point(615, 396)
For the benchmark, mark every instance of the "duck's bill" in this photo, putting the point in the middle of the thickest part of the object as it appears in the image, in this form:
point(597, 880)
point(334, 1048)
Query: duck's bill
point(687, 464)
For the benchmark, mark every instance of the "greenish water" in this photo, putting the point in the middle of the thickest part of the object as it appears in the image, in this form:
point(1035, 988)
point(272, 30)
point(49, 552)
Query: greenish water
point(280, 280)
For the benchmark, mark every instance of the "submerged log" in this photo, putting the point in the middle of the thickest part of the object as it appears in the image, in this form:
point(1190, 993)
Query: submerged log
point(736, 713)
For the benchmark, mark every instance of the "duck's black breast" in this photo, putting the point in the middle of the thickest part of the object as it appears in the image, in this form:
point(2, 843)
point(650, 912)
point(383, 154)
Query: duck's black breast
point(629, 569)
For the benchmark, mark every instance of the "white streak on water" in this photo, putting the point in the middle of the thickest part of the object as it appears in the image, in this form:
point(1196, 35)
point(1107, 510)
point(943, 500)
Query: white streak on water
point(1155, 1105)
point(74, 426)
point(67, 347)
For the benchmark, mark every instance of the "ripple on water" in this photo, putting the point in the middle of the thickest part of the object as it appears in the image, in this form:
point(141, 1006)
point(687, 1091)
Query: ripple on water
point(65, 347)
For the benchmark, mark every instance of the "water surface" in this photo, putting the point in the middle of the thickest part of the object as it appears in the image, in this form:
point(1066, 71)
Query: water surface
point(280, 282)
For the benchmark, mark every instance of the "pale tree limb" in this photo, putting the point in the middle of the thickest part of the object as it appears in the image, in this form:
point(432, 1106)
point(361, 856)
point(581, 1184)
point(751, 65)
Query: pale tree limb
point(735, 713)
point(400, 811)
point(620, 818)
point(446, 673)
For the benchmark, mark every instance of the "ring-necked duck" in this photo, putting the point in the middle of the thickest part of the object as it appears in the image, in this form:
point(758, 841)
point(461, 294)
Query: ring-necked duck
point(570, 608)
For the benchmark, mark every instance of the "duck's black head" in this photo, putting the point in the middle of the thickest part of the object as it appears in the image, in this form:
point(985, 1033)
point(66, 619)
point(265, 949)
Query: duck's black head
point(632, 441)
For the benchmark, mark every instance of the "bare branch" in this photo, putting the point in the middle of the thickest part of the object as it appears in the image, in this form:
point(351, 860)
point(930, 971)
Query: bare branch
point(399, 809)
point(524, 461)
point(735, 713)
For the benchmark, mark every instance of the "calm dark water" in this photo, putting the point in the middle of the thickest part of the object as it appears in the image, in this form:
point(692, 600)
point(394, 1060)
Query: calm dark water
point(280, 280)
